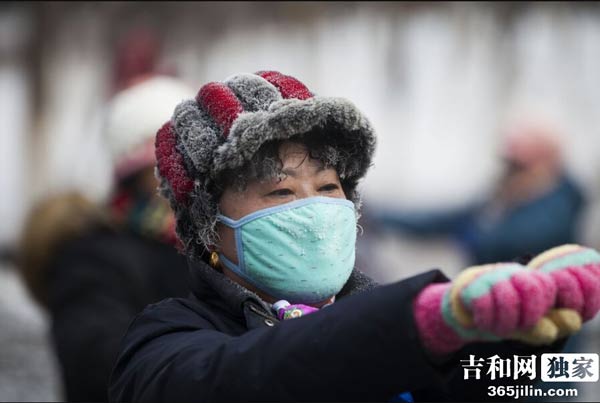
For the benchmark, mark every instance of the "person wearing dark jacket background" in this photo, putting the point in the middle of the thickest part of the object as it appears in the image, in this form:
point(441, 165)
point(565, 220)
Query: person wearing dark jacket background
point(262, 175)
point(94, 267)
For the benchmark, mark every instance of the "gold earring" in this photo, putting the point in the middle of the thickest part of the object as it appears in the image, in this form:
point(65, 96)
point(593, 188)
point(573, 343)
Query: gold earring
point(214, 260)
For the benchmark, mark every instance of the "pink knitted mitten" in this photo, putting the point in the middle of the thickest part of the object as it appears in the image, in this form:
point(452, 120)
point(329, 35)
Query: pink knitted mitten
point(576, 272)
point(490, 302)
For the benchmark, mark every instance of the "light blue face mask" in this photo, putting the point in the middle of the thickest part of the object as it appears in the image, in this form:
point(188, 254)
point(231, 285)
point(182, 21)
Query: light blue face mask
point(302, 251)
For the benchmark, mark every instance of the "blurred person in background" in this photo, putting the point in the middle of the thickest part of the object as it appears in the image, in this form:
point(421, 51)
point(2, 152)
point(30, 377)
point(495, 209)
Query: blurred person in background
point(262, 175)
point(535, 205)
point(94, 267)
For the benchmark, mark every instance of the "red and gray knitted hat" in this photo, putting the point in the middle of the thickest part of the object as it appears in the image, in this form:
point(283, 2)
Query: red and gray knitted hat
point(227, 123)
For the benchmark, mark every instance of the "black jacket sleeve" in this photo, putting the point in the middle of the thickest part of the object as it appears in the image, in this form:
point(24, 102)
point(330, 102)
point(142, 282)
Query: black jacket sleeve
point(363, 347)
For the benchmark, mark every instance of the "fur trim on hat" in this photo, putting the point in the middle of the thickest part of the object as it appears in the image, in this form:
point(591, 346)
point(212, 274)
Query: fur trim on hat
point(292, 117)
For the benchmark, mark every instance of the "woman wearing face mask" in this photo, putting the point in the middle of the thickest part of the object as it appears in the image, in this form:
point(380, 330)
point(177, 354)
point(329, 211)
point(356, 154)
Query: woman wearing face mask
point(262, 175)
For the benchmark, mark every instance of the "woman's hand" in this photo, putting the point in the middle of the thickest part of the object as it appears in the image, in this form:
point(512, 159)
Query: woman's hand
point(490, 302)
point(536, 304)
point(576, 272)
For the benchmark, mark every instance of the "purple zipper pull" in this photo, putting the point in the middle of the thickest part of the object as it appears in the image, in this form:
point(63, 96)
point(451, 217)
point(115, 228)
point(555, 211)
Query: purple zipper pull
point(285, 310)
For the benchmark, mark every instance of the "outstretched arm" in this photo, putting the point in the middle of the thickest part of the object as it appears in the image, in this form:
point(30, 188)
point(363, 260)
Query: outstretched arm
point(363, 347)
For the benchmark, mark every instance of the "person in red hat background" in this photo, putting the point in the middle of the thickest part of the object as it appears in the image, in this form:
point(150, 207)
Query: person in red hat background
point(93, 267)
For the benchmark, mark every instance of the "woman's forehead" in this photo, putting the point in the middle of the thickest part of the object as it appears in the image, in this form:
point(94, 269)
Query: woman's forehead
point(305, 166)
point(294, 156)
point(290, 149)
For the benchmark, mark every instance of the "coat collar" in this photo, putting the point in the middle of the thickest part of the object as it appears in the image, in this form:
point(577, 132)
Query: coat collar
point(213, 287)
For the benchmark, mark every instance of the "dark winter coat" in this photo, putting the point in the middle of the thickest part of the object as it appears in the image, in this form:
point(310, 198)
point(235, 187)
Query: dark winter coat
point(224, 344)
point(96, 285)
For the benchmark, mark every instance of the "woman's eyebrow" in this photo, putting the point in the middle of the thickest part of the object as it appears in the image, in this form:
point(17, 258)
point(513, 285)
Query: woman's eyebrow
point(289, 172)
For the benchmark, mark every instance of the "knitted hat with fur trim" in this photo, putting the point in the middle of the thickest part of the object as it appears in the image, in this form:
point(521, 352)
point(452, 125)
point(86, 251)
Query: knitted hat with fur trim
point(227, 123)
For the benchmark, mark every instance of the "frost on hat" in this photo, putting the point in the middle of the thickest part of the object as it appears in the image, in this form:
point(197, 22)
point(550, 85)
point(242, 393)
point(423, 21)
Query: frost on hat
point(132, 118)
point(227, 123)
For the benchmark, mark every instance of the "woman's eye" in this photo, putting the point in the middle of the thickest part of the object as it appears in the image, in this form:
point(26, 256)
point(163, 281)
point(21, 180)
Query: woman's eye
point(280, 192)
point(329, 187)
